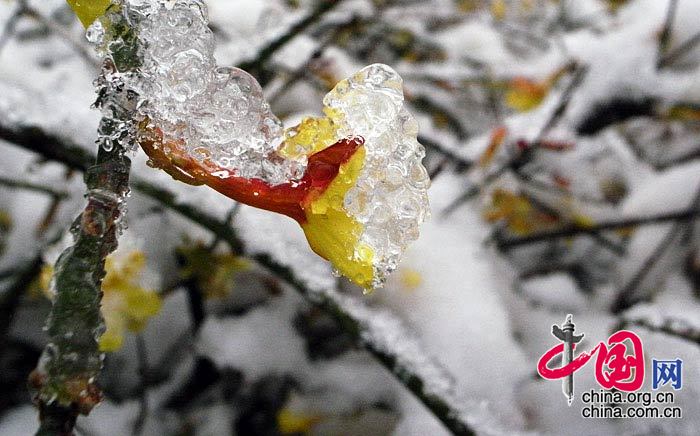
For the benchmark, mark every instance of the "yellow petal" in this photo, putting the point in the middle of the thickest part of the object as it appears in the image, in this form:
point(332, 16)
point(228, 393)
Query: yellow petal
point(333, 234)
point(524, 94)
point(499, 9)
point(89, 10)
point(141, 305)
point(310, 136)
point(113, 337)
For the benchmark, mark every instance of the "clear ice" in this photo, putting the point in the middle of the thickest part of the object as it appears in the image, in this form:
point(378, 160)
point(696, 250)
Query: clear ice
point(219, 114)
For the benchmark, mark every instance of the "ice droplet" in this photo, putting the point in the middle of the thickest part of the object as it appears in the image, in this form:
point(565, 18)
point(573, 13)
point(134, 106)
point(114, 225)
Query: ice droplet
point(95, 33)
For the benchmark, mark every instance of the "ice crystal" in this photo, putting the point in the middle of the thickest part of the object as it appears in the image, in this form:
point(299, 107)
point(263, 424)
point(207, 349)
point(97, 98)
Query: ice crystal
point(390, 198)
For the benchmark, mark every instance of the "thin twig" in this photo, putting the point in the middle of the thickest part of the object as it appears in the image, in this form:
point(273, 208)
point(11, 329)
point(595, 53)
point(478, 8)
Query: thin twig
point(255, 65)
point(576, 230)
point(521, 158)
point(578, 74)
point(450, 155)
point(82, 49)
point(303, 70)
point(12, 296)
point(667, 31)
point(9, 29)
point(144, 371)
point(21, 184)
point(670, 326)
point(680, 51)
point(629, 295)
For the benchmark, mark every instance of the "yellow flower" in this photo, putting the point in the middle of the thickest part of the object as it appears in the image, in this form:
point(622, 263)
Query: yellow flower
point(518, 212)
point(89, 10)
point(214, 272)
point(524, 94)
point(126, 306)
point(499, 9)
point(411, 279)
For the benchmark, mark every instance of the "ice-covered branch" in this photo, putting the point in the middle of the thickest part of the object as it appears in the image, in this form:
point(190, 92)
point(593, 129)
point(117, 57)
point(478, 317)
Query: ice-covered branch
point(64, 381)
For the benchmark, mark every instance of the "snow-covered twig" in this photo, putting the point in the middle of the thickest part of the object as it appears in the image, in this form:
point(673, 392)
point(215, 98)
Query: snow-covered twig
point(254, 65)
point(667, 31)
point(576, 230)
point(680, 51)
point(78, 45)
point(628, 295)
point(670, 326)
point(11, 24)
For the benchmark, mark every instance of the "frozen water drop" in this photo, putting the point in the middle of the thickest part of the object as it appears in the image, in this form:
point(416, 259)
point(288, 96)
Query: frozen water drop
point(95, 33)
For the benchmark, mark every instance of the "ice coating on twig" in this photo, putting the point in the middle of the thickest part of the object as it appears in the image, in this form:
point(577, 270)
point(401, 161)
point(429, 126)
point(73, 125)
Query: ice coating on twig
point(219, 117)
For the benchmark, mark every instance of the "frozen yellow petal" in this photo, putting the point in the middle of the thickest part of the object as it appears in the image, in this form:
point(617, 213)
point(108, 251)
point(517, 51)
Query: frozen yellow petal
point(310, 136)
point(89, 10)
point(333, 234)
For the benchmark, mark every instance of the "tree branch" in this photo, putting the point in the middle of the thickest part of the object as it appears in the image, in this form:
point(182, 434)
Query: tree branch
point(576, 230)
point(629, 294)
point(255, 66)
point(670, 326)
point(29, 186)
point(12, 296)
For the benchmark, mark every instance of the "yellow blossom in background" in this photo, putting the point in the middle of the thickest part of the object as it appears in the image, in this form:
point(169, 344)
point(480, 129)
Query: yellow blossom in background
point(524, 94)
point(683, 113)
point(527, 5)
point(468, 5)
point(614, 5)
point(499, 8)
point(292, 422)
point(410, 279)
point(517, 211)
point(126, 305)
point(214, 272)
point(5, 227)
